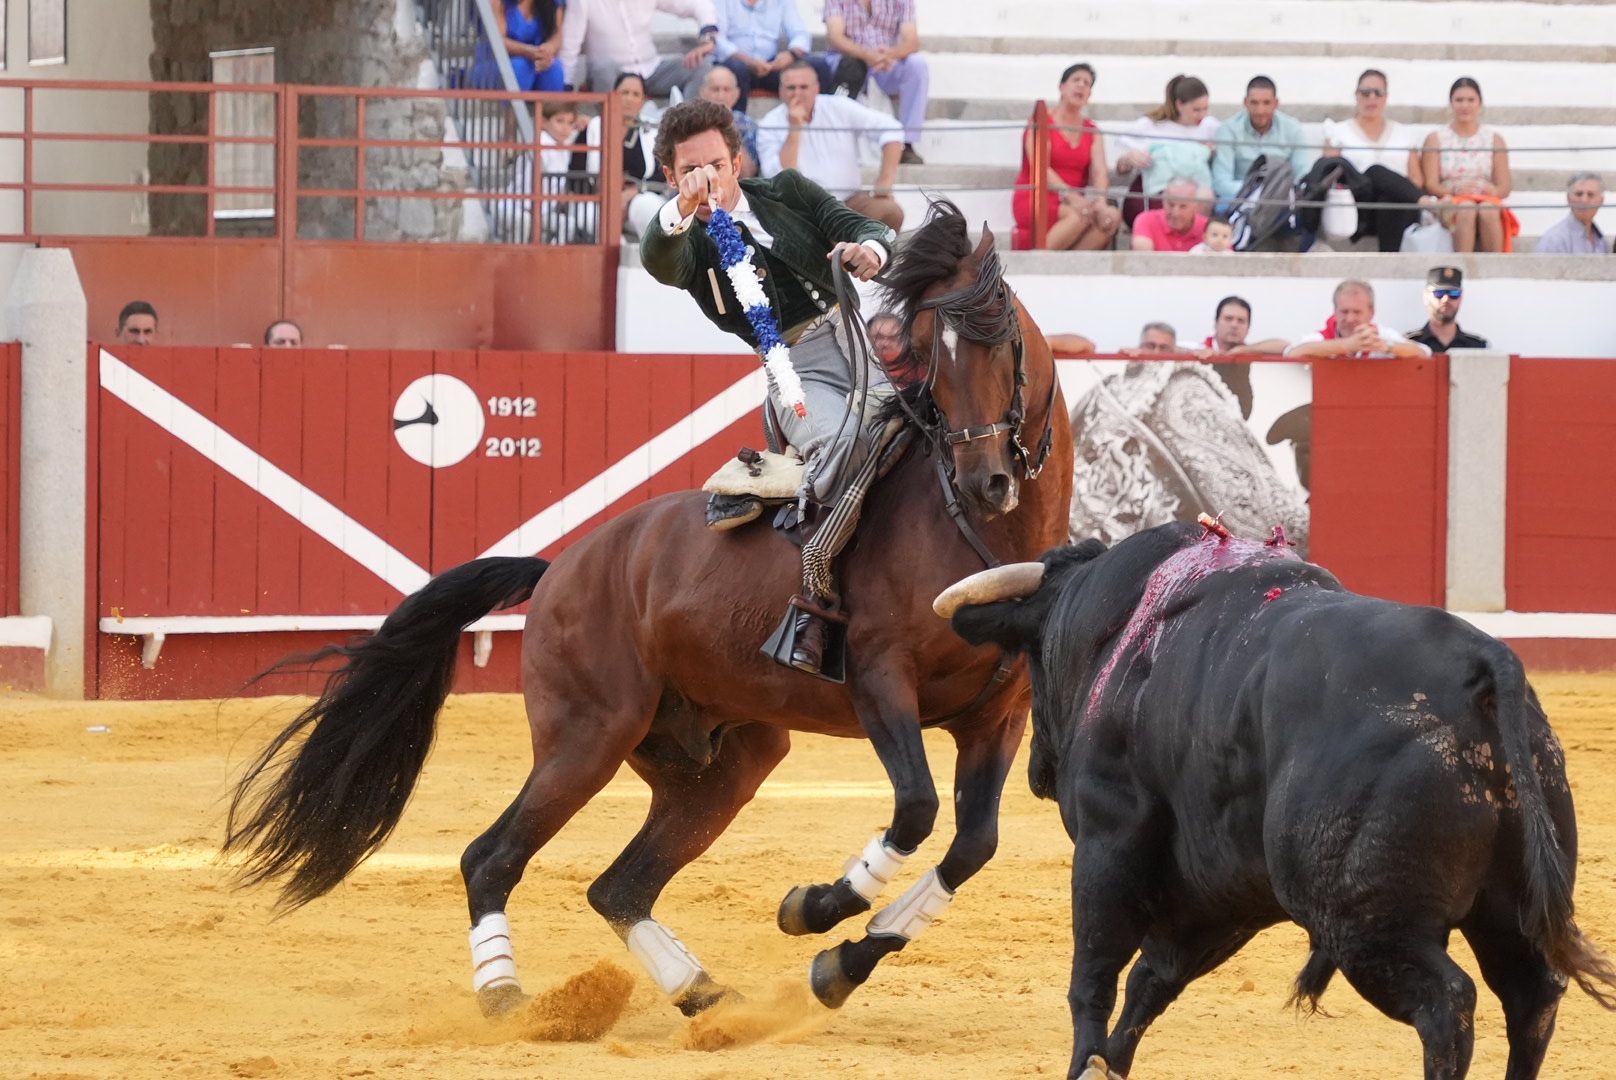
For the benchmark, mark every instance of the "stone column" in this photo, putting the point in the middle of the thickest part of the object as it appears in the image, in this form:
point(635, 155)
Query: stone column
point(46, 312)
point(1478, 444)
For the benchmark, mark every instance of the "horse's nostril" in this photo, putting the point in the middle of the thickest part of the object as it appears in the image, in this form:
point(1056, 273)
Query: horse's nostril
point(998, 486)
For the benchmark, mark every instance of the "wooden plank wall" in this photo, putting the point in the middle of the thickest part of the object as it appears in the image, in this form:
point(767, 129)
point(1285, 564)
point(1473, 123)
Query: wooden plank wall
point(1559, 529)
point(179, 536)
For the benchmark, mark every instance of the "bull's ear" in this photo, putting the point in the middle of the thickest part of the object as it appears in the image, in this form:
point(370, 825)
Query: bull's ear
point(1012, 625)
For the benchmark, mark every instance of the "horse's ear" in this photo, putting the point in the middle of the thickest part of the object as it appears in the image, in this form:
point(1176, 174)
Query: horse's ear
point(984, 245)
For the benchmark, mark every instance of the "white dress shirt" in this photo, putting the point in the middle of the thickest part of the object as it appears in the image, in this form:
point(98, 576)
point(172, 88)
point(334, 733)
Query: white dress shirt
point(620, 31)
point(827, 150)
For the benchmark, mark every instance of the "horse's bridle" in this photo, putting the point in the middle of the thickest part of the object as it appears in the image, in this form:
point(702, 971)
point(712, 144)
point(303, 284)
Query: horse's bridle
point(964, 309)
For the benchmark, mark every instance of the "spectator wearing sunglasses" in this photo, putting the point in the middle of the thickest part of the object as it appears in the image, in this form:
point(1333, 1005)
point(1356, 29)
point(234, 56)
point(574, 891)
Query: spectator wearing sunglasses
point(1444, 291)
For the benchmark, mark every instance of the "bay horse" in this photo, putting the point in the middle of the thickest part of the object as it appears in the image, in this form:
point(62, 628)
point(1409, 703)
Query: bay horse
point(642, 645)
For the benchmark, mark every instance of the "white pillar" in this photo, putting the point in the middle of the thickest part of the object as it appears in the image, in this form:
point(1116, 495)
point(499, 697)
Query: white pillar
point(1478, 442)
point(45, 310)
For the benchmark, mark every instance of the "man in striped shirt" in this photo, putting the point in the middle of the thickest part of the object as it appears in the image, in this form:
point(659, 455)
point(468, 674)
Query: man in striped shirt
point(880, 36)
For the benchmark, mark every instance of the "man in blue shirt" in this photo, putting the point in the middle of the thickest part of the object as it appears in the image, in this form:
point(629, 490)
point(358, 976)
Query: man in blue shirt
point(1257, 131)
point(758, 39)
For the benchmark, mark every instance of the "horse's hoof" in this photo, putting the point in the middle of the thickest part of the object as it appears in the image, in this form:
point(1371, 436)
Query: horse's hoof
point(818, 909)
point(495, 1001)
point(827, 979)
point(793, 915)
point(704, 995)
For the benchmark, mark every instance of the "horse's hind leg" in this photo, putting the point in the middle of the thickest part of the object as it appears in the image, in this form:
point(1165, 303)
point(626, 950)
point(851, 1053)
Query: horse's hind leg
point(985, 755)
point(575, 753)
point(1517, 972)
point(689, 810)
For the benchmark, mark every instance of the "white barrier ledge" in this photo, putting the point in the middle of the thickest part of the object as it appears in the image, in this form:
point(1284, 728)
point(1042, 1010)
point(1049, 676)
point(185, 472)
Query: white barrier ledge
point(25, 632)
point(154, 630)
point(1542, 624)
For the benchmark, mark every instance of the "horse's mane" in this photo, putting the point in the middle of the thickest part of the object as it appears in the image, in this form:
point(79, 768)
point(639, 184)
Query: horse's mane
point(932, 254)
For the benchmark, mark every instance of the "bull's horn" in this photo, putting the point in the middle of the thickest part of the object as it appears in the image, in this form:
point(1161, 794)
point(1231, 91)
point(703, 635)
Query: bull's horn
point(1000, 583)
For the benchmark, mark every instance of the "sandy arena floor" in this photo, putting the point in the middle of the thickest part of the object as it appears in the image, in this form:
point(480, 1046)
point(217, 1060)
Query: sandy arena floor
point(124, 953)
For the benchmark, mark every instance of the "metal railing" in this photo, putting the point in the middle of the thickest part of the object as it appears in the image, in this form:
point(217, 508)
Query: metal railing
point(325, 156)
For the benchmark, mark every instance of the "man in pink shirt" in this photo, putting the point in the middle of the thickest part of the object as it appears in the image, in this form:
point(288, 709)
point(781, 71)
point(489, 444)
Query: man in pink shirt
point(1176, 226)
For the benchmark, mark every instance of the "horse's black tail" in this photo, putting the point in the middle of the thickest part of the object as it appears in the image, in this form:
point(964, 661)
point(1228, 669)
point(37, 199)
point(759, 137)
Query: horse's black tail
point(308, 814)
point(1546, 909)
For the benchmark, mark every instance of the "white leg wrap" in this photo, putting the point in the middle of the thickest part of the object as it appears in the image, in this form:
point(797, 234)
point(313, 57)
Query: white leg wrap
point(670, 965)
point(915, 910)
point(493, 961)
point(870, 873)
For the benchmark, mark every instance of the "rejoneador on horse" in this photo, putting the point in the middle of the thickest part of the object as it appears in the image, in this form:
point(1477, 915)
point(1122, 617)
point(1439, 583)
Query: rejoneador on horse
point(642, 639)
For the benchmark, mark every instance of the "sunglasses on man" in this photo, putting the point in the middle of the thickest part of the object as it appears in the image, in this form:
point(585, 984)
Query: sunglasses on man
point(1447, 294)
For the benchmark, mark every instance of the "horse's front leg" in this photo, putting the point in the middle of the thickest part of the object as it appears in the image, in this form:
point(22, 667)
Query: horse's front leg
point(984, 760)
point(891, 719)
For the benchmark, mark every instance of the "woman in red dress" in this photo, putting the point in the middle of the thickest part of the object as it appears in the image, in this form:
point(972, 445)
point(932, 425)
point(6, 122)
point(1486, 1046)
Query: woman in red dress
point(1079, 218)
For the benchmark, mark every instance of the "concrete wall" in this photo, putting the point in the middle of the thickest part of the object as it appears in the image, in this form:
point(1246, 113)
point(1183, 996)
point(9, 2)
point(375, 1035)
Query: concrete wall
point(316, 43)
point(109, 39)
point(1526, 304)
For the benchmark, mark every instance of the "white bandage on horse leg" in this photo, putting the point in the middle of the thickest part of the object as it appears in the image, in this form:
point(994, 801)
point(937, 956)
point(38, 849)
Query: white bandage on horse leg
point(912, 912)
point(664, 957)
point(870, 873)
point(493, 961)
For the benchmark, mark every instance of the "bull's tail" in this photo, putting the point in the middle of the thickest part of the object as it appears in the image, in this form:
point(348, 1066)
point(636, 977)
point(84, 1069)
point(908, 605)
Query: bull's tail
point(1546, 909)
point(1311, 982)
point(308, 814)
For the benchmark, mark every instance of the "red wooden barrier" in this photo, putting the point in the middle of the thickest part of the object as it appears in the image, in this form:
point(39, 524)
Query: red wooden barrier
point(249, 482)
point(1380, 475)
point(1562, 473)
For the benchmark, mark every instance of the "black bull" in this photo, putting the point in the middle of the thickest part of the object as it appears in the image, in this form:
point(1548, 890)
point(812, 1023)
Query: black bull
point(1234, 739)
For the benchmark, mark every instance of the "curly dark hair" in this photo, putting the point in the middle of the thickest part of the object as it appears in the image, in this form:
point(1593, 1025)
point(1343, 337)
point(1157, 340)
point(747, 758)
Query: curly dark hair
point(689, 119)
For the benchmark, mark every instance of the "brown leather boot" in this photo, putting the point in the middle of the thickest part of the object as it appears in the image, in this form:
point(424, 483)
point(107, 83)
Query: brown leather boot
point(808, 642)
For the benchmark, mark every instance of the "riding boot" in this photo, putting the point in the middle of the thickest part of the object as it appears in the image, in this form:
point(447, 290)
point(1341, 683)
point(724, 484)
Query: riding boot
point(808, 642)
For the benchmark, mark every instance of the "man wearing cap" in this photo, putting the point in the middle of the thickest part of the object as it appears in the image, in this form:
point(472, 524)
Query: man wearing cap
point(1444, 290)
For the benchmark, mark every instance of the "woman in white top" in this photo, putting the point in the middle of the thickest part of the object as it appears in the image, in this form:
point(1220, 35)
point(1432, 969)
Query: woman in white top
point(1175, 139)
point(1379, 162)
point(1462, 158)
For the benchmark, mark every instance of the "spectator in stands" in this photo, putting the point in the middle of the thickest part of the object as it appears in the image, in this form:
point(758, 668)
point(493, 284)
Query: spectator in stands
point(720, 86)
point(137, 323)
point(1231, 322)
point(1467, 163)
point(640, 173)
point(1258, 130)
point(1178, 225)
point(879, 39)
point(1444, 289)
point(532, 33)
point(1217, 240)
point(1577, 234)
point(1079, 216)
point(1155, 339)
point(283, 334)
point(1379, 162)
point(1174, 140)
point(603, 37)
point(1351, 331)
point(1069, 344)
point(818, 135)
point(758, 39)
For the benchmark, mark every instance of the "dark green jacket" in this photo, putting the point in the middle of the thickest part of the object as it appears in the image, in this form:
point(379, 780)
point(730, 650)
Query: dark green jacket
point(804, 221)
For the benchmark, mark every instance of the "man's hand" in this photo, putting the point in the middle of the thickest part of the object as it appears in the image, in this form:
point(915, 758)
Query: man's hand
point(695, 56)
point(882, 60)
point(799, 115)
point(757, 66)
point(1363, 340)
point(782, 60)
point(694, 189)
point(861, 261)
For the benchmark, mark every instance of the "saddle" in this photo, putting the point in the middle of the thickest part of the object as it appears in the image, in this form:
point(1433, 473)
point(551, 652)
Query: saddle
point(748, 482)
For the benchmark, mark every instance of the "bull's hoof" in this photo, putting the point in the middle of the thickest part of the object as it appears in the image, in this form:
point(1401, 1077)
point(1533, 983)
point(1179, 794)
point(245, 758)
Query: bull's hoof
point(831, 985)
point(817, 909)
point(704, 995)
point(496, 1001)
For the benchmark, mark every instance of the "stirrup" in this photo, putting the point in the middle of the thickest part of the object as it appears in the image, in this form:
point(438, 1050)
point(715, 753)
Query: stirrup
point(781, 643)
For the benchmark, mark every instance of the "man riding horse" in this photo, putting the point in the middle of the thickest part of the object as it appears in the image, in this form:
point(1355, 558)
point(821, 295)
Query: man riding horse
point(794, 232)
